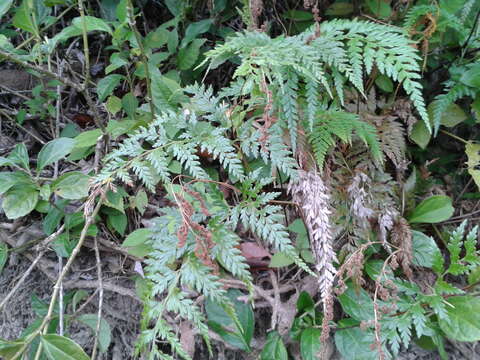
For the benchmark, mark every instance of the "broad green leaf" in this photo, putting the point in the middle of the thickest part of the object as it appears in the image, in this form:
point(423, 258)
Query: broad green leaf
point(298, 15)
point(105, 333)
point(305, 302)
point(435, 209)
point(310, 343)
point(222, 323)
point(130, 104)
point(45, 191)
point(19, 156)
point(118, 222)
point(10, 179)
point(140, 201)
point(77, 297)
point(175, 7)
point(87, 138)
point(274, 348)
point(54, 216)
point(5, 6)
point(67, 33)
point(230, 336)
point(357, 304)
point(384, 83)
point(115, 201)
point(463, 318)
point(451, 116)
point(108, 8)
point(3, 255)
point(121, 11)
point(117, 128)
point(106, 85)
point(20, 201)
point(280, 259)
point(92, 24)
point(375, 267)
point(380, 8)
point(72, 185)
point(24, 18)
point(195, 29)
point(340, 9)
point(355, 344)
point(156, 39)
point(425, 250)
point(4, 161)
point(54, 151)
point(59, 347)
point(188, 55)
point(10, 349)
point(298, 226)
point(420, 134)
point(163, 90)
point(114, 104)
point(136, 242)
point(172, 41)
point(471, 77)
point(473, 155)
point(116, 61)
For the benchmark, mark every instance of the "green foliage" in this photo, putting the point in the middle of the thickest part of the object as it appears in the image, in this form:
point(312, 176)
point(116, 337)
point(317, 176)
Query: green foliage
point(415, 312)
point(223, 159)
point(342, 125)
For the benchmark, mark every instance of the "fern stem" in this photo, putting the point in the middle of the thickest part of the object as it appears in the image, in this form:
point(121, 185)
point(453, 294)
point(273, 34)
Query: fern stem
point(454, 136)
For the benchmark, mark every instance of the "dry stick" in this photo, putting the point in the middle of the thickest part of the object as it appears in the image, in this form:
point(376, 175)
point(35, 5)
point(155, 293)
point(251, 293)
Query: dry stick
point(143, 56)
point(100, 299)
point(86, 52)
point(2, 112)
point(64, 80)
point(30, 39)
point(32, 265)
point(41, 70)
point(276, 302)
point(42, 329)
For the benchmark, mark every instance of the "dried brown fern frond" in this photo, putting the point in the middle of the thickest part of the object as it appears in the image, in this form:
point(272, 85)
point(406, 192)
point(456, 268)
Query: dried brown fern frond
point(402, 238)
point(313, 197)
point(392, 138)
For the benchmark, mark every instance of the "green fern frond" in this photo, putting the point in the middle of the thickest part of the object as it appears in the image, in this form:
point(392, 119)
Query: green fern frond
point(342, 125)
point(443, 101)
point(347, 47)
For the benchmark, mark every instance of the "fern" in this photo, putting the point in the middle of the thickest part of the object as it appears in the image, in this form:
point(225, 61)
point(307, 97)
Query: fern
point(443, 101)
point(344, 49)
point(334, 123)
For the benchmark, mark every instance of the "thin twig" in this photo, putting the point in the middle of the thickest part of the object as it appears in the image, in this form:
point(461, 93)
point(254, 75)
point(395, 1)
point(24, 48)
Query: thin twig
point(100, 299)
point(32, 265)
point(143, 56)
point(90, 219)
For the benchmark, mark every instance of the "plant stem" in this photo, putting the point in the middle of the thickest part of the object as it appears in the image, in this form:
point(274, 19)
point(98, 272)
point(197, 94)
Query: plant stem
point(454, 136)
point(143, 55)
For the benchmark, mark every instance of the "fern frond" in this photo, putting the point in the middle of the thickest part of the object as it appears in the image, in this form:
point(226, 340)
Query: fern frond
point(186, 153)
point(392, 139)
point(281, 157)
point(443, 101)
point(267, 224)
point(342, 125)
point(289, 106)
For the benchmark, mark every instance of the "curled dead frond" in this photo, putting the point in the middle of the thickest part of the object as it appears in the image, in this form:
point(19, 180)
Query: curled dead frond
point(402, 238)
